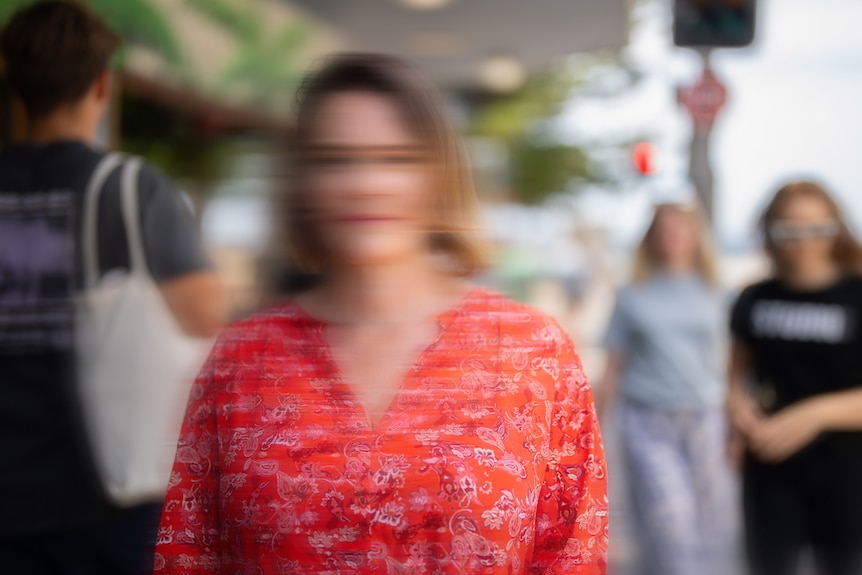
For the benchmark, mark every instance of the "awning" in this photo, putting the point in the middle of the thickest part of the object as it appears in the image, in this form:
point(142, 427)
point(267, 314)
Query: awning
point(453, 40)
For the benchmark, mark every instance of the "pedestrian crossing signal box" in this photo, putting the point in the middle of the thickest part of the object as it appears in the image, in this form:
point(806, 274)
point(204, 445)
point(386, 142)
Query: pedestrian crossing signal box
point(713, 23)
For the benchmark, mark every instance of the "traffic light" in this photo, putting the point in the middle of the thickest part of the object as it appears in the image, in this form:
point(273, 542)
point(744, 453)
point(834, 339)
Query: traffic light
point(644, 158)
point(713, 23)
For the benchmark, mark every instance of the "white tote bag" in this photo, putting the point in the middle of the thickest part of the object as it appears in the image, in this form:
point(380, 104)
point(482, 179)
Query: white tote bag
point(135, 364)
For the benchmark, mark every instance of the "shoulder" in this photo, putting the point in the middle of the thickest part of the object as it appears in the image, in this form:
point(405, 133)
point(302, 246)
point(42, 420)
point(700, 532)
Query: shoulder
point(630, 289)
point(485, 304)
point(757, 290)
point(13, 155)
point(854, 282)
point(267, 348)
point(62, 163)
point(157, 194)
point(744, 302)
point(529, 345)
point(714, 294)
point(153, 175)
point(488, 303)
point(284, 326)
point(153, 183)
point(630, 292)
point(627, 297)
point(849, 291)
point(513, 324)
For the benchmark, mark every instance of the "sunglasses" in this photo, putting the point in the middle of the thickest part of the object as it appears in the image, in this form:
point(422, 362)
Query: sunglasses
point(786, 231)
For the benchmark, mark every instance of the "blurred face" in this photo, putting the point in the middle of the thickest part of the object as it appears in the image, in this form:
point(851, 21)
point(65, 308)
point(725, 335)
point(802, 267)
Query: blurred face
point(804, 233)
point(369, 180)
point(674, 239)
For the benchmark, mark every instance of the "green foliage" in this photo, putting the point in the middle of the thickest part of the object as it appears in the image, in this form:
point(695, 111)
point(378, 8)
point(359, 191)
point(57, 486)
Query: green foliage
point(265, 64)
point(184, 156)
point(173, 143)
point(509, 117)
point(539, 165)
point(9, 7)
point(140, 22)
point(541, 170)
point(245, 25)
point(268, 67)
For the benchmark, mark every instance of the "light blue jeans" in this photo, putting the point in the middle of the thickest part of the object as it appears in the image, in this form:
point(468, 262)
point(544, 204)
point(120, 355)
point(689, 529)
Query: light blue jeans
point(680, 485)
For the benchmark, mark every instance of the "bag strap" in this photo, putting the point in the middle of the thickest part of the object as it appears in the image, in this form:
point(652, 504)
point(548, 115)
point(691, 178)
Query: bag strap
point(131, 217)
point(90, 222)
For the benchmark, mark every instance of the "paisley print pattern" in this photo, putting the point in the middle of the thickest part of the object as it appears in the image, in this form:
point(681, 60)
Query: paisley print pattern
point(488, 461)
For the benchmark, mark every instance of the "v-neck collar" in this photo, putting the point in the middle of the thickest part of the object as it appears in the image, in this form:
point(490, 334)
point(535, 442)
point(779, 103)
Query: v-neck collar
point(444, 320)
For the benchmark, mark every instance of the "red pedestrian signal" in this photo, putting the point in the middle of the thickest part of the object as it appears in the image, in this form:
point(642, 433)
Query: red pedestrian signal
point(643, 158)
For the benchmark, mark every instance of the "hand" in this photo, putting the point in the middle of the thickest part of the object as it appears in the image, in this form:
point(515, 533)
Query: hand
point(786, 432)
point(735, 449)
point(601, 400)
point(745, 415)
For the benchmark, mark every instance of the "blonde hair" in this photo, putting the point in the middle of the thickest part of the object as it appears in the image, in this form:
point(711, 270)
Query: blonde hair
point(847, 252)
point(454, 230)
point(646, 261)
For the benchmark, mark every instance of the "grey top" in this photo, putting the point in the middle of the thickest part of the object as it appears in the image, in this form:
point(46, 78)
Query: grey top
point(671, 333)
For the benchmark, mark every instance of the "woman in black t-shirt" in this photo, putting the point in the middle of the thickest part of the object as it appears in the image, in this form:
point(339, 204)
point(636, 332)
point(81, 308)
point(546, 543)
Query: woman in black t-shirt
point(795, 397)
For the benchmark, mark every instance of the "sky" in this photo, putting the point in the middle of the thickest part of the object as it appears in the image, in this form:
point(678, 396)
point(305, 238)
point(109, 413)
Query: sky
point(794, 110)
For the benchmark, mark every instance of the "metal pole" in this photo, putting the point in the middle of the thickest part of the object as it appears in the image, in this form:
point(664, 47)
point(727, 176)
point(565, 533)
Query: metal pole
point(700, 170)
point(700, 167)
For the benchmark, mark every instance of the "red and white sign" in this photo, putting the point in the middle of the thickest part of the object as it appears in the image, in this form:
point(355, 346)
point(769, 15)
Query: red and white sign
point(704, 100)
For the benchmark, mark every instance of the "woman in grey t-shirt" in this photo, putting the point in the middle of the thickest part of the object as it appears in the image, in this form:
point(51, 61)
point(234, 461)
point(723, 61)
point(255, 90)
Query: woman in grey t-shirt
point(665, 364)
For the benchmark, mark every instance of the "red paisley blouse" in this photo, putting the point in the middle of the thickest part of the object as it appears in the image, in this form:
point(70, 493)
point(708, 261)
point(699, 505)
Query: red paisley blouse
point(488, 461)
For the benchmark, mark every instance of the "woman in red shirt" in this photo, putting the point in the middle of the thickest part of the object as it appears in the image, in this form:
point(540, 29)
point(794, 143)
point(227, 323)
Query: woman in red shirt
point(393, 419)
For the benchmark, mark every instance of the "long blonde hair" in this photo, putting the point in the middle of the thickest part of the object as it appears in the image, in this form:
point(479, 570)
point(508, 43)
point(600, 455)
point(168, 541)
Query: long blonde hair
point(646, 262)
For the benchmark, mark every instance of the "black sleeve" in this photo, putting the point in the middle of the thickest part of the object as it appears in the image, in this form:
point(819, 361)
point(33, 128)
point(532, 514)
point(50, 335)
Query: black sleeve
point(740, 315)
point(171, 240)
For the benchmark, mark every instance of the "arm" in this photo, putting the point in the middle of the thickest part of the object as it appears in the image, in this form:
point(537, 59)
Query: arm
point(617, 342)
point(839, 411)
point(743, 412)
point(606, 393)
point(198, 302)
point(187, 280)
point(188, 535)
point(572, 512)
point(794, 427)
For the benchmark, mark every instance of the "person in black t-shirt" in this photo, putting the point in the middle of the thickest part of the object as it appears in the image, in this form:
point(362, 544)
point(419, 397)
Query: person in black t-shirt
point(54, 517)
point(795, 395)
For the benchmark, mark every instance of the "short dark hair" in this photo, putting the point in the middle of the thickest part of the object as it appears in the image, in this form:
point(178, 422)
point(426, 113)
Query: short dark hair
point(54, 51)
point(454, 229)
